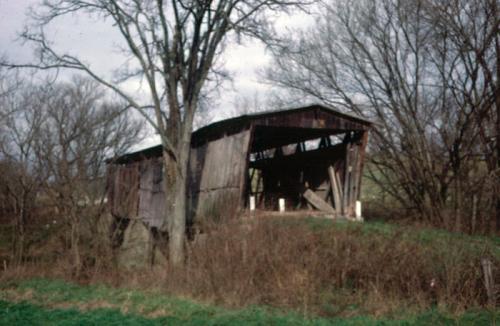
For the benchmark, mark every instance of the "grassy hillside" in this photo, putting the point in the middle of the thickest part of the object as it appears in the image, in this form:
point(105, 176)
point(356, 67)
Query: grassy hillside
point(46, 302)
point(275, 270)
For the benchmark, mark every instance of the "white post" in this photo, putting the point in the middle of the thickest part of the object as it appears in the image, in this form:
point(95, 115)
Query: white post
point(252, 203)
point(358, 211)
point(282, 204)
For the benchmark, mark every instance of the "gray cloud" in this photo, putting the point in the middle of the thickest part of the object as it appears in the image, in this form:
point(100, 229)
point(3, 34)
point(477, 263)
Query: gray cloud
point(96, 42)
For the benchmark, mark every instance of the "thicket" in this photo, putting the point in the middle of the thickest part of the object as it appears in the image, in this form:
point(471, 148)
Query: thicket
point(54, 140)
point(313, 266)
point(428, 74)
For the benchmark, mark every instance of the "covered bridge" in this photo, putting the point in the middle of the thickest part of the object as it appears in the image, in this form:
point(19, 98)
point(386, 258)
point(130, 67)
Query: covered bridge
point(310, 156)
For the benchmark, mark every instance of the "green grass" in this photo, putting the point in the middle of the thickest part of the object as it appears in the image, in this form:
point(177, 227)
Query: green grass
point(55, 302)
point(28, 314)
point(423, 236)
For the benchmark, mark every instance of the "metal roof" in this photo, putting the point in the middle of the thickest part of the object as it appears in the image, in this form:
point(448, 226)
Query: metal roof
point(263, 114)
point(275, 121)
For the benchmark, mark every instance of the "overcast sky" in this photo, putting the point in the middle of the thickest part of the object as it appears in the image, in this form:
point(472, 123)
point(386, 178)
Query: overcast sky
point(95, 41)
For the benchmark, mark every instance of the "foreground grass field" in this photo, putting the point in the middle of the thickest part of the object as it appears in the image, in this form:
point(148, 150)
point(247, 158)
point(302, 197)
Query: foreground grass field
point(269, 270)
point(55, 302)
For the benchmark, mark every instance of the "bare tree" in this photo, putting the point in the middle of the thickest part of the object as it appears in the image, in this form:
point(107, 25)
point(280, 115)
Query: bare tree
point(174, 44)
point(399, 63)
point(248, 104)
point(55, 139)
point(21, 175)
point(80, 130)
point(470, 35)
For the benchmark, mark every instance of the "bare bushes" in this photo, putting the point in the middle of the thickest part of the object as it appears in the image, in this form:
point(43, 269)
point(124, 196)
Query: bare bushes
point(313, 266)
point(330, 269)
point(428, 73)
point(53, 148)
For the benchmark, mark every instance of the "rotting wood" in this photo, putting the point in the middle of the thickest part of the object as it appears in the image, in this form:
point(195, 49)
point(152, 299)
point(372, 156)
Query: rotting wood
point(362, 152)
point(337, 202)
point(223, 170)
point(151, 193)
point(286, 176)
point(347, 180)
point(317, 202)
point(124, 186)
point(353, 179)
point(341, 193)
point(328, 196)
point(245, 182)
point(359, 146)
point(220, 159)
point(308, 204)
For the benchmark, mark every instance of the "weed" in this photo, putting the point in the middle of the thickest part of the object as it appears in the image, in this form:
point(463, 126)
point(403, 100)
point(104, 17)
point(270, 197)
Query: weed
point(315, 267)
point(91, 305)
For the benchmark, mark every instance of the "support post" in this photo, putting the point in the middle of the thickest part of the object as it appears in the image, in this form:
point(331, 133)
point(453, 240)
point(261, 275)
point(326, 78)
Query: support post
point(252, 203)
point(347, 179)
point(359, 217)
point(282, 205)
point(335, 188)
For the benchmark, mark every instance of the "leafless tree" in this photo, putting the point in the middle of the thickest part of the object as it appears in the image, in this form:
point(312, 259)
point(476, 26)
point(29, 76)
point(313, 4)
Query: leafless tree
point(80, 130)
point(55, 139)
point(470, 35)
point(399, 63)
point(175, 45)
point(21, 175)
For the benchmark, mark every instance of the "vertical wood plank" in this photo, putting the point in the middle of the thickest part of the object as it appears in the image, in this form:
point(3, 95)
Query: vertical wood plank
point(354, 178)
point(347, 179)
point(362, 154)
point(223, 173)
point(335, 190)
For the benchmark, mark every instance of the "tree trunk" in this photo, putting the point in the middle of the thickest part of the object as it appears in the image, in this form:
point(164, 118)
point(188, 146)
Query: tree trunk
point(75, 246)
point(19, 240)
point(458, 203)
point(177, 229)
point(176, 168)
point(175, 198)
point(19, 232)
point(496, 113)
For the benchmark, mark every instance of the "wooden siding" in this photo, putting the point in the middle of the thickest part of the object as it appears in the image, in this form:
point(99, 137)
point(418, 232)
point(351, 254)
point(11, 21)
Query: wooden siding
point(215, 173)
point(316, 117)
point(123, 185)
point(136, 191)
point(313, 119)
point(151, 193)
point(218, 180)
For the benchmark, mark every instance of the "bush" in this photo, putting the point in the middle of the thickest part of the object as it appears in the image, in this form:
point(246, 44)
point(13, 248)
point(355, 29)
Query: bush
point(311, 265)
point(317, 266)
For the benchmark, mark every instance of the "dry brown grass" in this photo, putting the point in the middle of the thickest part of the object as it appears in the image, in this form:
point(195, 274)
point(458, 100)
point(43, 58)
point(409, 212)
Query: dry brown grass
point(330, 270)
point(314, 268)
